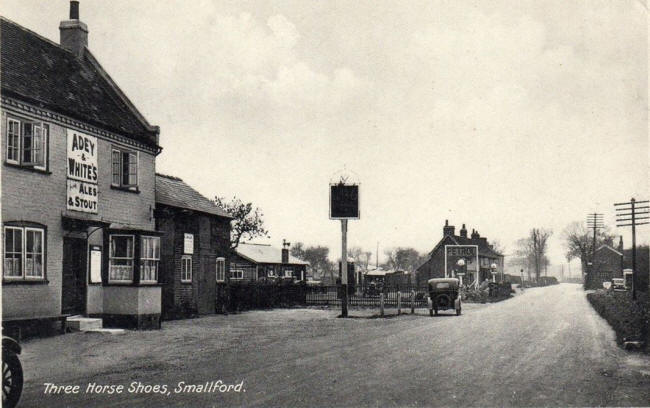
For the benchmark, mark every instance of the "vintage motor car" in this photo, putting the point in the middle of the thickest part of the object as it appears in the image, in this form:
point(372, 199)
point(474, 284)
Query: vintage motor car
point(12, 372)
point(618, 284)
point(444, 294)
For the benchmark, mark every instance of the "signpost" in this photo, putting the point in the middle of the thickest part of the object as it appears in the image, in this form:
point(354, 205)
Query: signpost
point(344, 206)
point(468, 254)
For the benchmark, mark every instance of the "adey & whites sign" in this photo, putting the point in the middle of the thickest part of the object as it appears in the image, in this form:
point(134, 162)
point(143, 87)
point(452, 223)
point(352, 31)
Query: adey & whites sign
point(81, 172)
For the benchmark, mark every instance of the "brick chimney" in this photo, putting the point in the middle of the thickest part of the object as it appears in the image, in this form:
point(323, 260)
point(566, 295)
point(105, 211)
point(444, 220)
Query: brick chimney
point(285, 251)
point(620, 243)
point(463, 232)
point(475, 235)
point(448, 230)
point(74, 33)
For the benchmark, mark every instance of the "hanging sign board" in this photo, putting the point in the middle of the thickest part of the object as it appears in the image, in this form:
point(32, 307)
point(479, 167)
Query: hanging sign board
point(344, 202)
point(188, 243)
point(95, 264)
point(453, 253)
point(81, 171)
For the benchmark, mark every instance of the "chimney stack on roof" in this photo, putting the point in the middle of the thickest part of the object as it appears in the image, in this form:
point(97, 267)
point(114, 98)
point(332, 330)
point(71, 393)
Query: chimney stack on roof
point(475, 234)
point(463, 232)
point(285, 251)
point(448, 230)
point(74, 33)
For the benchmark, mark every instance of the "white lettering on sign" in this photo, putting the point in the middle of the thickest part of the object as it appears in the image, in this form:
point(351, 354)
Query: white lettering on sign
point(82, 157)
point(188, 243)
point(82, 172)
point(82, 196)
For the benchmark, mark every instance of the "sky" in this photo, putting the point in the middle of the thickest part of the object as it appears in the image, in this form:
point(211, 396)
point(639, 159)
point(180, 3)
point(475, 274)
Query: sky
point(503, 115)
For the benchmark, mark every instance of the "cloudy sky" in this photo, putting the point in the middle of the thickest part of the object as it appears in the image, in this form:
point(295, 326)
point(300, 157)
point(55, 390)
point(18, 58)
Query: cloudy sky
point(504, 115)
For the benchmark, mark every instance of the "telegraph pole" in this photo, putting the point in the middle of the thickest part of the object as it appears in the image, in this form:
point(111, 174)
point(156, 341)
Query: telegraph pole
point(638, 212)
point(594, 221)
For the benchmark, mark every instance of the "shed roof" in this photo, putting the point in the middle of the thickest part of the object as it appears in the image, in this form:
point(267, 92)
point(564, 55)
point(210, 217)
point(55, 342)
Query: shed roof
point(174, 192)
point(263, 253)
point(41, 72)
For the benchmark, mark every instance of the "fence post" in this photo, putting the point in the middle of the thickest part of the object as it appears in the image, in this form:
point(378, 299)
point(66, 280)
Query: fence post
point(381, 304)
point(399, 302)
point(412, 301)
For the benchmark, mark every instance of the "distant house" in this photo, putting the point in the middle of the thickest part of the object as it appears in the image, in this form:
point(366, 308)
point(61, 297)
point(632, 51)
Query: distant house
point(195, 248)
point(434, 267)
point(607, 264)
point(252, 262)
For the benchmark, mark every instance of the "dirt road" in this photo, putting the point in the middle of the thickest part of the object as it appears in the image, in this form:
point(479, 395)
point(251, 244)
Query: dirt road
point(546, 347)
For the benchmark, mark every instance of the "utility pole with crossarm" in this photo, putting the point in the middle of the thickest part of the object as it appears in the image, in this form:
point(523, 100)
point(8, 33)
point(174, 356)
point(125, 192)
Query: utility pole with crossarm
point(632, 214)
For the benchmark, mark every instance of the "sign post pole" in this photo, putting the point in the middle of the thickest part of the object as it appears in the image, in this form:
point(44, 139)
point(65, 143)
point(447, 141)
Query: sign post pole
point(344, 268)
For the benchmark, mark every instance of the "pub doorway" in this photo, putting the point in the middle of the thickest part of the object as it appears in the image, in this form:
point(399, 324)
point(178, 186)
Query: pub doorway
point(73, 296)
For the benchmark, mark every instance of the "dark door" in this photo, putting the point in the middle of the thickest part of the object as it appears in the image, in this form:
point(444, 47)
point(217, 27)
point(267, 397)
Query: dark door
point(207, 285)
point(73, 298)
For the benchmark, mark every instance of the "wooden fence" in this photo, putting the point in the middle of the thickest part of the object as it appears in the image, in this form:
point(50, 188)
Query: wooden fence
point(368, 296)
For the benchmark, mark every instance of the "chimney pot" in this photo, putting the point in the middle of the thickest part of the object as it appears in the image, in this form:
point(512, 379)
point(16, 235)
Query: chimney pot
point(74, 10)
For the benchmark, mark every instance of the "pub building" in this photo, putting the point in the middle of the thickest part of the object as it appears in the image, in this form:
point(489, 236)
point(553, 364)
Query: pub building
point(195, 248)
point(78, 180)
point(434, 266)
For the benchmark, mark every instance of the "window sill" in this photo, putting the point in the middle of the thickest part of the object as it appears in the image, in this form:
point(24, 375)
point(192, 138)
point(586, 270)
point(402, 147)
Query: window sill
point(131, 284)
point(127, 189)
point(25, 281)
point(27, 168)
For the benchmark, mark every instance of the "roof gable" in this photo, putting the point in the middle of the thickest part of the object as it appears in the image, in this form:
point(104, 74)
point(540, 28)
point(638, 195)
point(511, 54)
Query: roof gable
point(607, 247)
point(260, 253)
point(174, 192)
point(39, 71)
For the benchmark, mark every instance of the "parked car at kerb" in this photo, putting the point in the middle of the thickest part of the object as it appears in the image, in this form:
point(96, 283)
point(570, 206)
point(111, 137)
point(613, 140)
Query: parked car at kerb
point(12, 372)
point(618, 284)
point(444, 294)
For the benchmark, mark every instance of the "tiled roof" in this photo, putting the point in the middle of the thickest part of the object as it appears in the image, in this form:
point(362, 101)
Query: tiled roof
point(173, 192)
point(39, 71)
point(265, 254)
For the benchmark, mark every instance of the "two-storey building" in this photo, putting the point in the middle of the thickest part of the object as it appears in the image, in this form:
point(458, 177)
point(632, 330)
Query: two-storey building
point(78, 185)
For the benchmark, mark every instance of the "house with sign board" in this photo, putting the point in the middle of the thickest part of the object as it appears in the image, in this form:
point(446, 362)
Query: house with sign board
point(78, 186)
point(195, 248)
point(477, 254)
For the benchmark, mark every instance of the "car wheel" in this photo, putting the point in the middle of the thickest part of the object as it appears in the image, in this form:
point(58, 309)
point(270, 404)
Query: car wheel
point(12, 379)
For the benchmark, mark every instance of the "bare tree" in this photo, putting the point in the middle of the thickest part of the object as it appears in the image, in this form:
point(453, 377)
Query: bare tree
point(537, 242)
point(361, 257)
point(579, 242)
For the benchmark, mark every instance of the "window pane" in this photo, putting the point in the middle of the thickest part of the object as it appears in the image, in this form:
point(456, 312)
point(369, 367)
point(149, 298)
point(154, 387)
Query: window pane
point(29, 238)
point(37, 147)
point(116, 167)
point(28, 133)
point(125, 168)
point(133, 169)
point(18, 240)
point(13, 135)
point(9, 240)
point(121, 246)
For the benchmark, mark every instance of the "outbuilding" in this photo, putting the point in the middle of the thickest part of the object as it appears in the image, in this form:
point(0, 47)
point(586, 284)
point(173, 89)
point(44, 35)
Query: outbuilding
point(195, 248)
point(253, 262)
